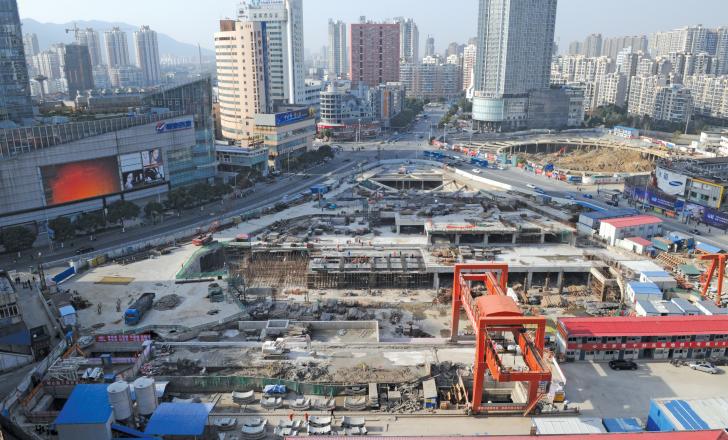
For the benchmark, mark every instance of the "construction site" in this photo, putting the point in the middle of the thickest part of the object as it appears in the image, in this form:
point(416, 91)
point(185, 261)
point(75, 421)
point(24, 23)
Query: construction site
point(406, 291)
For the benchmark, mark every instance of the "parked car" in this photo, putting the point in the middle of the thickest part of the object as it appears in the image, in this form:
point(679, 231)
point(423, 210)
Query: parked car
point(622, 364)
point(84, 250)
point(531, 185)
point(705, 367)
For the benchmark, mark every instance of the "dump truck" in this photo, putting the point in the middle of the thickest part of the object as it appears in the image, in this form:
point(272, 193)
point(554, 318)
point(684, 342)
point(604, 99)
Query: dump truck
point(134, 314)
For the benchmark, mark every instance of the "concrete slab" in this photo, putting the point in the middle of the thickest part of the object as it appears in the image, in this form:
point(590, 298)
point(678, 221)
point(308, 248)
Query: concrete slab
point(602, 392)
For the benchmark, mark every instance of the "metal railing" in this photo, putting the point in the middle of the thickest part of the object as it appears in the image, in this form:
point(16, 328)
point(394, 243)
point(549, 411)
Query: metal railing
point(17, 141)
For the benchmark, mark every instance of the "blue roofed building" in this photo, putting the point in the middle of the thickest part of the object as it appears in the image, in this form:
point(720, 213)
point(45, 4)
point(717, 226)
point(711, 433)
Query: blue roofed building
point(86, 415)
point(687, 414)
point(628, 424)
point(172, 420)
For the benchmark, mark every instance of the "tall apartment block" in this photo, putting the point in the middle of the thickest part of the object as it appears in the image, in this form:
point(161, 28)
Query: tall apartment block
point(15, 104)
point(337, 50)
point(147, 55)
point(374, 53)
point(515, 45)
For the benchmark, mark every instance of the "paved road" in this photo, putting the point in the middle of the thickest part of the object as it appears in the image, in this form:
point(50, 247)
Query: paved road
point(265, 194)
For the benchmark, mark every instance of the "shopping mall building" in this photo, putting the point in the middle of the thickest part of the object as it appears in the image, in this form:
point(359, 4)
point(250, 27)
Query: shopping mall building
point(164, 140)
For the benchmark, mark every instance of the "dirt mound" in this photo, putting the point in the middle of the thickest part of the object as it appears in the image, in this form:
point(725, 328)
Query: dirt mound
point(604, 160)
point(168, 302)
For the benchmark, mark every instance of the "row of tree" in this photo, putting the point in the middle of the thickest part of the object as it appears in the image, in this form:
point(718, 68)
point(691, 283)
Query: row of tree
point(63, 229)
point(611, 115)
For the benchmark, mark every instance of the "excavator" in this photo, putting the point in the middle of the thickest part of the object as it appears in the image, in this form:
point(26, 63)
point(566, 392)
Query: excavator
point(204, 238)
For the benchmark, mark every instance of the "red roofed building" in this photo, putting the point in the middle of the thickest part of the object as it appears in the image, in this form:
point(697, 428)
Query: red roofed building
point(649, 337)
point(614, 229)
point(684, 435)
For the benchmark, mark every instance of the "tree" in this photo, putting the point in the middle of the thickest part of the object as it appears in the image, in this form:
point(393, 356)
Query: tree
point(325, 151)
point(17, 238)
point(153, 209)
point(89, 221)
point(200, 192)
point(326, 133)
point(122, 210)
point(220, 189)
point(63, 229)
point(178, 199)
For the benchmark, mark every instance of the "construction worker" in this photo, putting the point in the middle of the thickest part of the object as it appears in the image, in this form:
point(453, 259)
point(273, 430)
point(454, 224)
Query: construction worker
point(290, 417)
point(118, 304)
point(98, 308)
point(305, 417)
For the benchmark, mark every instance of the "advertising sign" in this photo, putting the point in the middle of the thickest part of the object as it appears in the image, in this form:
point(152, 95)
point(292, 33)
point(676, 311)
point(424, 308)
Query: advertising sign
point(715, 218)
point(141, 169)
point(291, 117)
point(670, 182)
point(80, 180)
point(164, 126)
point(664, 201)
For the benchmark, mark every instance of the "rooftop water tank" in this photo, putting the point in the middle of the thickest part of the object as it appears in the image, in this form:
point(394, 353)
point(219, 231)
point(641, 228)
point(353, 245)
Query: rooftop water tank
point(120, 400)
point(146, 397)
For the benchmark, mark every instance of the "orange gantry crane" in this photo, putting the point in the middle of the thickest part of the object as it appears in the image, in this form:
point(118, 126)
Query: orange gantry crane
point(492, 315)
point(717, 261)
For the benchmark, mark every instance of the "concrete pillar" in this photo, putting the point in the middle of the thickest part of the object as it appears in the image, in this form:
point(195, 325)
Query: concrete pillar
point(560, 282)
point(543, 238)
point(436, 281)
point(515, 234)
point(457, 238)
point(485, 239)
point(529, 279)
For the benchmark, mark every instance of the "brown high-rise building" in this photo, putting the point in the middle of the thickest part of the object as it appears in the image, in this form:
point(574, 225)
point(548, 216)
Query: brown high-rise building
point(373, 53)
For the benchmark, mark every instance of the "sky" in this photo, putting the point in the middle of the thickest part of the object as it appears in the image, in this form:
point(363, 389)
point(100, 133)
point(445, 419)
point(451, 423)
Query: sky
point(195, 21)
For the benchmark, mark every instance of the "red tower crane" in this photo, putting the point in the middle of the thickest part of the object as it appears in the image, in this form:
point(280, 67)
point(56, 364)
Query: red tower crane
point(717, 261)
point(492, 315)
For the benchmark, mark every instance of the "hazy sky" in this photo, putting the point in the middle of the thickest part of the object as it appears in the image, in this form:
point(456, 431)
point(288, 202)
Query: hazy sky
point(194, 21)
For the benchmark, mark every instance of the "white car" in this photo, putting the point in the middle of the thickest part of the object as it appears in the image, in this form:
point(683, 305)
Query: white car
point(476, 171)
point(705, 367)
point(531, 185)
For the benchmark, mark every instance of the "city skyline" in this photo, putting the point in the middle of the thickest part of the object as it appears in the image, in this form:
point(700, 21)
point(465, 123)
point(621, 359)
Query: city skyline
point(201, 21)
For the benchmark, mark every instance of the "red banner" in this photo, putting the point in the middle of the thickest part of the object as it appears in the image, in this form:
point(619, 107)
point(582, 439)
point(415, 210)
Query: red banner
point(648, 345)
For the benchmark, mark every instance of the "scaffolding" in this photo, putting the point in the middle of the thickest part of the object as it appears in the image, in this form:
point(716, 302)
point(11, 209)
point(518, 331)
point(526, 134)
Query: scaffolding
point(393, 270)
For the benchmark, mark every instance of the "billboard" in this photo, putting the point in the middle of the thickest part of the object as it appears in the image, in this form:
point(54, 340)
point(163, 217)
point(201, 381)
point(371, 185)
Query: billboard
point(292, 116)
point(69, 182)
point(144, 168)
point(671, 183)
point(164, 126)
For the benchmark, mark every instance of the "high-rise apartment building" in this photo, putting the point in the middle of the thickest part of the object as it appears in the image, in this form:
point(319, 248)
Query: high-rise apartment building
point(593, 45)
point(282, 33)
point(374, 53)
point(337, 50)
point(409, 39)
point(30, 44)
point(77, 69)
point(147, 55)
point(242, 73)
point(90, 38)
point(430, 46)
point(515, 45)
point(15, 104)
point(117, 47)
point(469, 55)
point(612, 46)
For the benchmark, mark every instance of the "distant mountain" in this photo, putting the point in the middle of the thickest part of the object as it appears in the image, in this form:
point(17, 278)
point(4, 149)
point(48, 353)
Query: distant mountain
point(50, 33)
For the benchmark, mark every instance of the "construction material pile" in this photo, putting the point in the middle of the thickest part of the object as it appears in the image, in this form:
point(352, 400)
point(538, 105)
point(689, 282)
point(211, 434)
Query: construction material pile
point(168, 302)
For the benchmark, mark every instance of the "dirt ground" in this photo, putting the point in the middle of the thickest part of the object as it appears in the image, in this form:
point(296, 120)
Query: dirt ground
point(597, 160)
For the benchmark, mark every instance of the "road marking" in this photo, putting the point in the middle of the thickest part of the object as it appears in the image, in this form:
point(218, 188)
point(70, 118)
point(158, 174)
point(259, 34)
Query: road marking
point(599, 369)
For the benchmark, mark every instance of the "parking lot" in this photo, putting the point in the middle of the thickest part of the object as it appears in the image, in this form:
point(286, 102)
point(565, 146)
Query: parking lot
point(601, 392)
